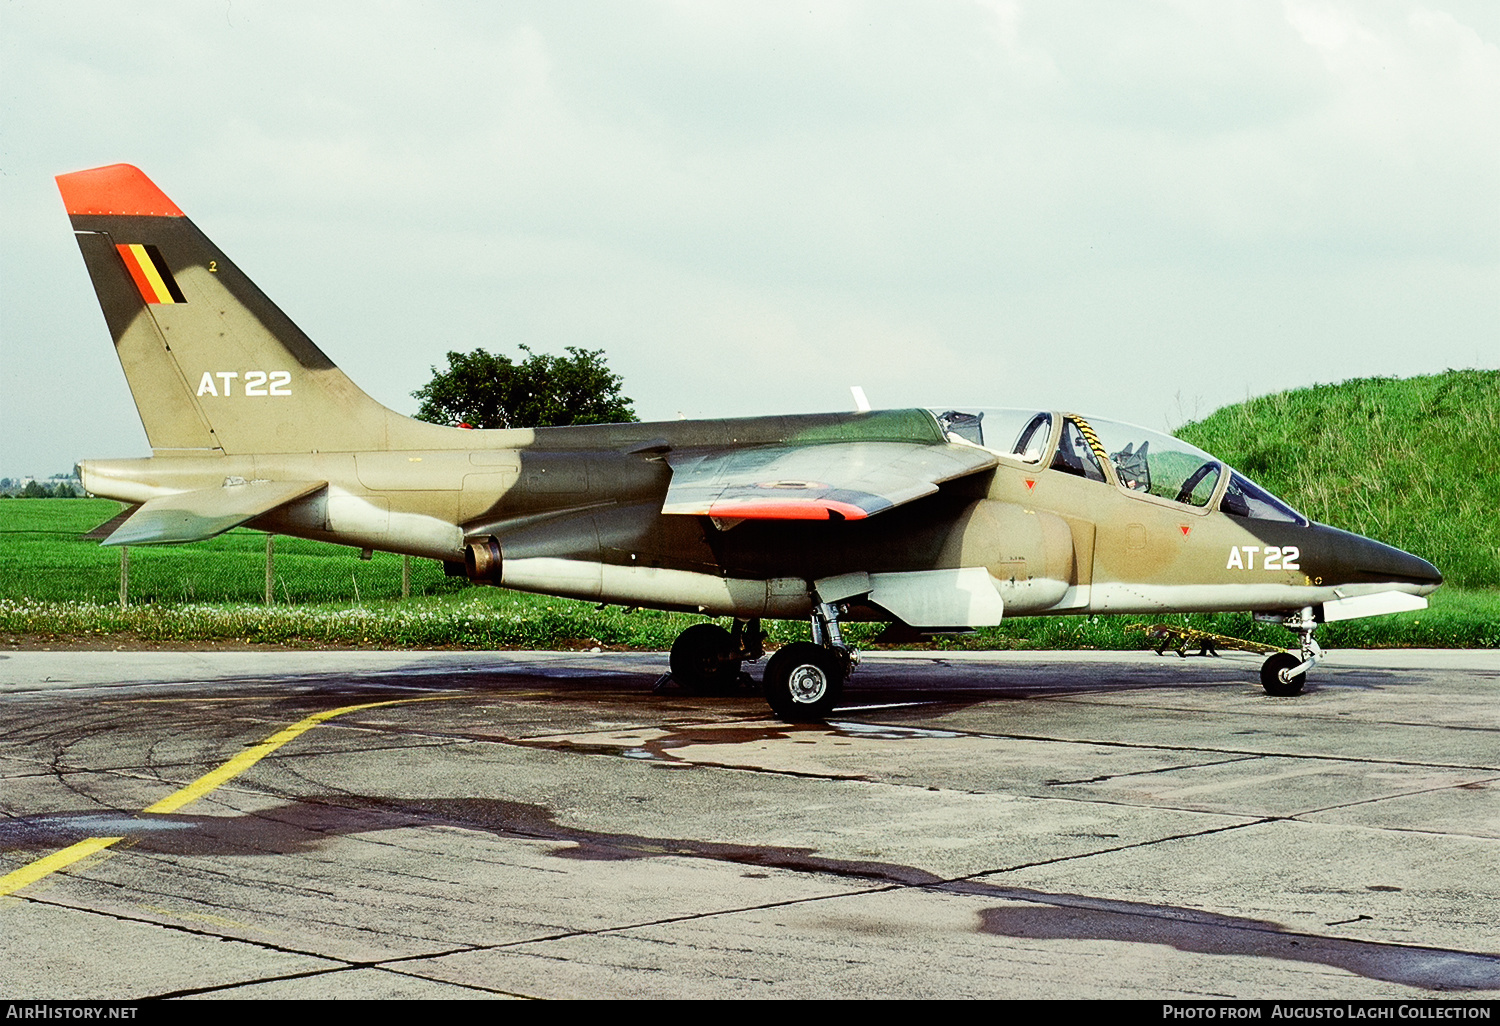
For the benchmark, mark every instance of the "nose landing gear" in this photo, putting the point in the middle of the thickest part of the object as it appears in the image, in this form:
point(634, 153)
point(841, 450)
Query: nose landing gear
point(1284, 673)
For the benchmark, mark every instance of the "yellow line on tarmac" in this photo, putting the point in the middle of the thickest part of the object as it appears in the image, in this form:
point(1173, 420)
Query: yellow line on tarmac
point(32, 872)
point(14, 881)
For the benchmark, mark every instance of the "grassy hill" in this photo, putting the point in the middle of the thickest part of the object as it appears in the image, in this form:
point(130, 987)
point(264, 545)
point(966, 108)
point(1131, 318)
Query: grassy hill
point(1413, 462)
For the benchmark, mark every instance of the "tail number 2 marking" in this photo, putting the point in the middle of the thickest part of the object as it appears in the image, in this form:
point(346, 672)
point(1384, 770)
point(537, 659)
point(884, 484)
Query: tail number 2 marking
point(1242, 557)
point(257, 383)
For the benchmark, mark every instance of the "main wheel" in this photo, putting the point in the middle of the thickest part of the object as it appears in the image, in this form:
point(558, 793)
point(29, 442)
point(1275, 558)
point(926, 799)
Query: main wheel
point(1271, 671)
point(703, 660)
point(803, 682)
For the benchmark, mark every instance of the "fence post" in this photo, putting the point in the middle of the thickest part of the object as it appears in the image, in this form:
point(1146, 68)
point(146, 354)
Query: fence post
point(124, 575)
point(270, 568)
point(405, 578)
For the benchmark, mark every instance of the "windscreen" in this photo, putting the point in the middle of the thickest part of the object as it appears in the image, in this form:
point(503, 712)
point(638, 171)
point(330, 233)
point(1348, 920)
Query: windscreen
point(1245, 498)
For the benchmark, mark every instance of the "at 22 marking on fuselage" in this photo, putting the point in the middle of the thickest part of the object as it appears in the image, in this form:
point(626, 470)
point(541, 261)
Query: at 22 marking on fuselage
point(942, 520)
point(1274, 557)
point(256, 383)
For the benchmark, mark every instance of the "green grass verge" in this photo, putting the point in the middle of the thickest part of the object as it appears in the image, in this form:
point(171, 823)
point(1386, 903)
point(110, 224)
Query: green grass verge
point(495, 618)
point(486, 618)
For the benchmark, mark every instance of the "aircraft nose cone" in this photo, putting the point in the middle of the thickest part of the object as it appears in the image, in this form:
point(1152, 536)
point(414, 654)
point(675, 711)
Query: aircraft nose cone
point(1359, 560)
point(1388, 563)
point(1421, 568)
point(1424, 572)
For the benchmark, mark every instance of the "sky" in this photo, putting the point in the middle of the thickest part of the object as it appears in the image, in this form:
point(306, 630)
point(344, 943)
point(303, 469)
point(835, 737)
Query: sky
point(1142, 210)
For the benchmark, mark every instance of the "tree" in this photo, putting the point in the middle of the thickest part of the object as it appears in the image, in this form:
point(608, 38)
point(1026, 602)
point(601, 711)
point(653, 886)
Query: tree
point(41, 490)
point(487, 390)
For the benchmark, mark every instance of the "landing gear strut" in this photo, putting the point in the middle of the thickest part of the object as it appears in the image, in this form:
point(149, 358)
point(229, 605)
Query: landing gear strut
point(804, 681)
point(1285, 672)
point(706, 658)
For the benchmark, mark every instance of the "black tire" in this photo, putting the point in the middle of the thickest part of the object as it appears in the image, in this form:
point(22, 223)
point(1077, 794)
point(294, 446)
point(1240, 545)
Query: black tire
point(1270, 675)
point(804, 682)
point(702, 659)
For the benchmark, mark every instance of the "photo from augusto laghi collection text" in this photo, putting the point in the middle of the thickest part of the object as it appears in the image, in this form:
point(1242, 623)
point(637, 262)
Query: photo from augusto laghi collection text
point(1329, 1010)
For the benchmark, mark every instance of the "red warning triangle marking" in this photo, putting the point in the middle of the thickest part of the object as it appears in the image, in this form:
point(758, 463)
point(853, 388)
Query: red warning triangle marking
point(1030, 484)
point(1185, 529)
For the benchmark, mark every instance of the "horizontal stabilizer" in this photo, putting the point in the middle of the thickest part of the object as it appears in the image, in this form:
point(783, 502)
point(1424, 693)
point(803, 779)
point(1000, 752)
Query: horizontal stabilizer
point(109, 527)
point(194, 516)
point(830, 481)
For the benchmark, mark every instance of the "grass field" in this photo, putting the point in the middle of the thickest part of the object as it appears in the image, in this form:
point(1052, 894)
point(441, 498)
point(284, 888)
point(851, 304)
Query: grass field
point(55, 585)
point(43, 558)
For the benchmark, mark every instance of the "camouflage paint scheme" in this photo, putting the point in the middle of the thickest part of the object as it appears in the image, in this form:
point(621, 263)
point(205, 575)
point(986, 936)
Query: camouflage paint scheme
point(884, 513)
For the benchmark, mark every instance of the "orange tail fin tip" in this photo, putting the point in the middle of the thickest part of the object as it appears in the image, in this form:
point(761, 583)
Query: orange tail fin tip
point(116, 189)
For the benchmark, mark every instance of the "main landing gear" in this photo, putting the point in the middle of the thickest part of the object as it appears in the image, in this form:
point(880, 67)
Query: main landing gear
point(1284, 673)
point(706, 658)
point(805, 680)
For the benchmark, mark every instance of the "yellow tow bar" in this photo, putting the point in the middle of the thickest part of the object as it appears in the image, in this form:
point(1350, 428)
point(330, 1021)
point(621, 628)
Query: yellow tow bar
point(1180, 639)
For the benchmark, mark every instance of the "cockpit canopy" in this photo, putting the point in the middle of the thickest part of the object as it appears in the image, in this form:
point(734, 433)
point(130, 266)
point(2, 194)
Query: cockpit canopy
point(1135, 459)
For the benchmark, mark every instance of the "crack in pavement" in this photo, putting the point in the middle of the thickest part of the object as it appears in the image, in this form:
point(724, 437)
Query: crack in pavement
point(1404, 794)
point(1160, 769)
point(220, 988)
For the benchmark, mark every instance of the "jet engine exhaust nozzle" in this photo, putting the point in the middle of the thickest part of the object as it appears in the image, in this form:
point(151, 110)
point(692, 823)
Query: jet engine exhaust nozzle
point(482, 560)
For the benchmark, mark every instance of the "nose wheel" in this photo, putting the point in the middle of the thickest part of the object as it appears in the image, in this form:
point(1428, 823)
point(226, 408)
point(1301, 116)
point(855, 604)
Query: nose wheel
point(1276, 678)
point(1284, 673)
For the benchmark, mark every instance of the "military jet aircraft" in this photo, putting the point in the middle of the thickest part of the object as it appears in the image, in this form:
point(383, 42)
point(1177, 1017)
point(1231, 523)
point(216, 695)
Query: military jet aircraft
point(939, 519)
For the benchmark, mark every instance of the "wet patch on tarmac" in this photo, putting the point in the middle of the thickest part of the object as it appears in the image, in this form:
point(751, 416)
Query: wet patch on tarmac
point(1073, 917)
point(888, 732)
point(659, 749)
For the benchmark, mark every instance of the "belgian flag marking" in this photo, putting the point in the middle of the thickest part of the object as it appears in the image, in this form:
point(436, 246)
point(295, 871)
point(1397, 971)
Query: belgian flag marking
point(151, 273)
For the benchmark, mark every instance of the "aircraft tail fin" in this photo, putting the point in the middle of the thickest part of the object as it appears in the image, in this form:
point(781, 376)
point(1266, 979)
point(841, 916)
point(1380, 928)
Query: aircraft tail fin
point(212, 363)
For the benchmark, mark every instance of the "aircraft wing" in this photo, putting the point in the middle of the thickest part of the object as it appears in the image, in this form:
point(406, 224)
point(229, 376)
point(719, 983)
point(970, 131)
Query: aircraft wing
point(194, 516)
point(847, 480)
